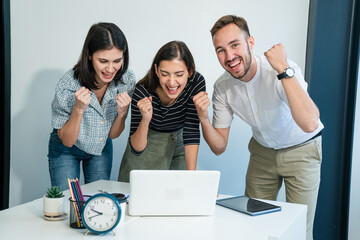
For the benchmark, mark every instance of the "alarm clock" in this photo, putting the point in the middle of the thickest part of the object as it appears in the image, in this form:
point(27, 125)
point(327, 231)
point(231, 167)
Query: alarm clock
point(101, 213)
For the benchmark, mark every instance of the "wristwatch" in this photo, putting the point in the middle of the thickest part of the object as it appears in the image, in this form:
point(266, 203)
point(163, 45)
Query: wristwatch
point(288, 73)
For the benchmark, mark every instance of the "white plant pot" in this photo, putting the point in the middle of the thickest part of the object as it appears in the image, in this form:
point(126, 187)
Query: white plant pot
point(53, 206)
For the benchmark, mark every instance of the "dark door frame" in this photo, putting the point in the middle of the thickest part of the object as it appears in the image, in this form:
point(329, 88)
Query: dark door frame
point(331, 69)
point(5, 104)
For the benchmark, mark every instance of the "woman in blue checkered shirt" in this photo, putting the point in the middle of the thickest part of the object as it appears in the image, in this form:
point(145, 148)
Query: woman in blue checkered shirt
point(89, 108)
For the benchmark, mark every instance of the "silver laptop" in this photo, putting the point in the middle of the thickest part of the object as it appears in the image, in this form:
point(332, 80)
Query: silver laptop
point(173, 192)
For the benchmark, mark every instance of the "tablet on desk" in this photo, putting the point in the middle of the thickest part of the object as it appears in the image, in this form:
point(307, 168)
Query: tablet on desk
point(247, 205)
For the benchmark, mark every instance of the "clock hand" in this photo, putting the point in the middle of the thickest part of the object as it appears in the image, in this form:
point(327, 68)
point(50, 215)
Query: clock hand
point(95, 215)
point(97, 211)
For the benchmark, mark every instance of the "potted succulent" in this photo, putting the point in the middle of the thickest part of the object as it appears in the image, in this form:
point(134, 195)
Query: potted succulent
point(53, 202)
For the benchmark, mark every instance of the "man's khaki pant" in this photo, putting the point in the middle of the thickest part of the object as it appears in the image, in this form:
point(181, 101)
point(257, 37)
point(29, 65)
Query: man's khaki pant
point(298, 166)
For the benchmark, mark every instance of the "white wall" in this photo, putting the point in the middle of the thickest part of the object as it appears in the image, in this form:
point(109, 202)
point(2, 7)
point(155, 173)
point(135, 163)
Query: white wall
point(354, 211)
point(46, 40)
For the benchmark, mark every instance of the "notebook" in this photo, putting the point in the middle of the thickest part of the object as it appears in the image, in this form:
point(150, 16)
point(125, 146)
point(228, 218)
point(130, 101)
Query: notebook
point(173, 192)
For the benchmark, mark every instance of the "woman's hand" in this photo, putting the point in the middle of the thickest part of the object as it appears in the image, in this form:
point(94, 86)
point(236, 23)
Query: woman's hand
point(82, 99)
point(139, 138)
point(146, 108)
point(123, 101)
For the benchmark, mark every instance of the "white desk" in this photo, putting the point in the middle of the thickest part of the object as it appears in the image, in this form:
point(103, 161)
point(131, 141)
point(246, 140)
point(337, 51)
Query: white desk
point(26, 222)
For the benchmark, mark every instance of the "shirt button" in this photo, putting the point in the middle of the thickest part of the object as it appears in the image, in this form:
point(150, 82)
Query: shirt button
point(100, 139)
point(101, 122)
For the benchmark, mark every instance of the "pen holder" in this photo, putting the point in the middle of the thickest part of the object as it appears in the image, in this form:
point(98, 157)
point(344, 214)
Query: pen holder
point(122, 199)
point(75, 219)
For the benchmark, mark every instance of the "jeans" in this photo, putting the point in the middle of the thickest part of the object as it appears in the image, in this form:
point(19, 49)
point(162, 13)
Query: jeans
point(64, 162)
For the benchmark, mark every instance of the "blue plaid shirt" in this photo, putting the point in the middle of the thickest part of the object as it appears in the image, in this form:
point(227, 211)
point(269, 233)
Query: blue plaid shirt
point(97, 119)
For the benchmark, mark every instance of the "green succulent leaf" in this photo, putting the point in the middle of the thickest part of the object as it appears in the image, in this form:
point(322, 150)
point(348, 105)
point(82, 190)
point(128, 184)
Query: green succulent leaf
point(54, 192)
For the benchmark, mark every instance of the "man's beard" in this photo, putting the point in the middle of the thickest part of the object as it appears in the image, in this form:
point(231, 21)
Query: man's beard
point(247, 64)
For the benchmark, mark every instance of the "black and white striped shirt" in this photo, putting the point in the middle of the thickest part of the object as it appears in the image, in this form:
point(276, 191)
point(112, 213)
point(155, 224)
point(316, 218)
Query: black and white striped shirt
point(181, 114)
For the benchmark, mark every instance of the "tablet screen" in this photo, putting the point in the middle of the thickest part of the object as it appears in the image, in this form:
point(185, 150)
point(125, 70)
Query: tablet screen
point(248, 205)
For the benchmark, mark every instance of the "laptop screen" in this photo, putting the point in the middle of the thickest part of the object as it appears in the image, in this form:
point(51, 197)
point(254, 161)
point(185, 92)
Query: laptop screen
point(173, 192)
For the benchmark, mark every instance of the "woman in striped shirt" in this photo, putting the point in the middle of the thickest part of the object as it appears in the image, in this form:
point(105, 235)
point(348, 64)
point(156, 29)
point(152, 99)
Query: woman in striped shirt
point(164, 131)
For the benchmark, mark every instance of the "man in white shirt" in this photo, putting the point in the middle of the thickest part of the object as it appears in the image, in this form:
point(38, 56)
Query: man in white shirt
point(270, 94)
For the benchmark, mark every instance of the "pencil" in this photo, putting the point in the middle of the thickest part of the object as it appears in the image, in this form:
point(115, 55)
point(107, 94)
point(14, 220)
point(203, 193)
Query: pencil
point(79, 189)
point(78, 202)
point(73, 198)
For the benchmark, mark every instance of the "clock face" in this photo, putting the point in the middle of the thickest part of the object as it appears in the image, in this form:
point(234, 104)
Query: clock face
point(101, 213)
